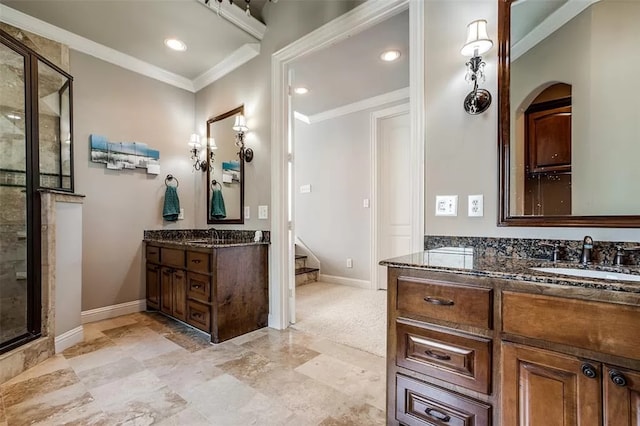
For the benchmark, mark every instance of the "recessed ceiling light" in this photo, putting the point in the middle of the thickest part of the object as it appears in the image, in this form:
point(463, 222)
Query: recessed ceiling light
point(390, 55)
point(14, 116)
point(175, 44)
point(301, 90)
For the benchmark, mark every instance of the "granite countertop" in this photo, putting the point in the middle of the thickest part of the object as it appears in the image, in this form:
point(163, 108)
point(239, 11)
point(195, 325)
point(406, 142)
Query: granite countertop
point(465, 261)
point(203, 243)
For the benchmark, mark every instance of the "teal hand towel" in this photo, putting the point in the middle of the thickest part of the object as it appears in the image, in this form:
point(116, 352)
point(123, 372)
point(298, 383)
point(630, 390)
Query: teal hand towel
point(171, 209)
point(218, 210)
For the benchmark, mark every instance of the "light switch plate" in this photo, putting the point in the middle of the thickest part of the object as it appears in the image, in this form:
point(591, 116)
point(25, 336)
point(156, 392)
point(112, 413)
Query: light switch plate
point(247, 212)
point(181, 215)
point(476, 205)
point(305, 189)
point(263, 212)
point(446, 205)
point(365, 203)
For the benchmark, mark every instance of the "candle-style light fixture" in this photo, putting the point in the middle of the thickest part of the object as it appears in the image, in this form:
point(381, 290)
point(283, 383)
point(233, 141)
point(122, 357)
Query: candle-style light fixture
point(240, 127)
point(478, 42)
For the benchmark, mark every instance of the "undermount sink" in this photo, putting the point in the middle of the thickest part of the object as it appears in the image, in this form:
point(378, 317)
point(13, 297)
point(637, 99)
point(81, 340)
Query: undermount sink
point(588, 273)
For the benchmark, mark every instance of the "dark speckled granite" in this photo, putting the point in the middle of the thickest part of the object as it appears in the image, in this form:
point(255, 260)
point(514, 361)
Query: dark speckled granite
point(468, 262)
point(217, 237)
point(531, 248)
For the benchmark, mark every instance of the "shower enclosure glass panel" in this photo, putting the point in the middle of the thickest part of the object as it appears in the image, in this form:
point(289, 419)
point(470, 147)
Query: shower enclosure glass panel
point(54, 121)
point(14, 294)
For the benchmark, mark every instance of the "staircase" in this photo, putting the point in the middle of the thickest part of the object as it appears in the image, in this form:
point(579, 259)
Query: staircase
point(305, 275)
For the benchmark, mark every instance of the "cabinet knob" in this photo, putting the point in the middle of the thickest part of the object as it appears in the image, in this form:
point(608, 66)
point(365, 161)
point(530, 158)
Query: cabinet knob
point(617, 378)
point(437, 301)
point(196, 260)
point(589, 370)
point(432, 412)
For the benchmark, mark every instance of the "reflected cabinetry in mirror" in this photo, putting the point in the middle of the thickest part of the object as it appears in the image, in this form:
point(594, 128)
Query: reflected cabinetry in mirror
point(568, 135)
point(225, 174)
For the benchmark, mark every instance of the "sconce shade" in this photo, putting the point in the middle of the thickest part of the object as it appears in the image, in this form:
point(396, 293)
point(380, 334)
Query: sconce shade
point(240, 124)
point(194, 140)
point(212, 143)
point(478, 41)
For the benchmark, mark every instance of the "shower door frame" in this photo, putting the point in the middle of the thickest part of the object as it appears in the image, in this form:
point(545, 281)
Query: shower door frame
point(32, 187)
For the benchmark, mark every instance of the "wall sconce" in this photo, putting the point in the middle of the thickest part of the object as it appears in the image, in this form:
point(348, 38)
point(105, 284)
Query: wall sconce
point(478, 42)
point(240, 127)
point(194, 143)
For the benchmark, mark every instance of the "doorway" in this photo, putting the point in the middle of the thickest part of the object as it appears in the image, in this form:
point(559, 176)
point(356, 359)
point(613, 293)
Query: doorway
point(355, 21)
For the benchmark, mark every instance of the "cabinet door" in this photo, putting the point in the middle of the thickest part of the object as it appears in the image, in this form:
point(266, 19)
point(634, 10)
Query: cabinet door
point(153, 286)
point(542, 388)
point(621, 397)
point(166, 290)
point(180, 295)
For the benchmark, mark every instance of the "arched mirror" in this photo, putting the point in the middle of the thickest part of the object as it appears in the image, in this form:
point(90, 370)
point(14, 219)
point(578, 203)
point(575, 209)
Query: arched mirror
point(568, 131)
point(225, 174)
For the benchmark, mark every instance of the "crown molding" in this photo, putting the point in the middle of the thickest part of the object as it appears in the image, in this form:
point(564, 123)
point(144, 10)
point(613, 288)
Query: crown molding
point(373, 102)
point(238, 17)
point(84, 45)
point(241, 56)
point(301, 117)
point(547, 27)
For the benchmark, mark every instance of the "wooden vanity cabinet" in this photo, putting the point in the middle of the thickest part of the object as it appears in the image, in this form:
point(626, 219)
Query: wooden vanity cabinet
point(471, 350)
point(222, 291)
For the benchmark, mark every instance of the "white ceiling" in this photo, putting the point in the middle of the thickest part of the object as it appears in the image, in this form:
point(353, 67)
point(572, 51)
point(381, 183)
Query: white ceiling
point(526, 15)
point(352, 70)
point(341, 74)
point(139, 28)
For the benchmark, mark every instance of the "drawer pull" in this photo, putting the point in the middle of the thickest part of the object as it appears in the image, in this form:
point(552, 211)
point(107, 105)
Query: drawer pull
point(196, 315)
point(589, 371)
point(437, 355)
point(436, 301)
point(196, 260)
point(196, 286)
point(432, 412)
point(618, 378)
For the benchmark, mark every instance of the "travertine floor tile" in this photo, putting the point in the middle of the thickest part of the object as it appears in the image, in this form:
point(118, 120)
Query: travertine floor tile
point(144, 369)
point(361, 384)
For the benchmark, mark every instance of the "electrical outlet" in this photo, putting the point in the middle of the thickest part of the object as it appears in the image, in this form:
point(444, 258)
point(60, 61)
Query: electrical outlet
point(349, 262)
point(247, 212)
point(446, 205)
point(365, 203)
point(263, 212)
point(181, 215)
point(476, 205)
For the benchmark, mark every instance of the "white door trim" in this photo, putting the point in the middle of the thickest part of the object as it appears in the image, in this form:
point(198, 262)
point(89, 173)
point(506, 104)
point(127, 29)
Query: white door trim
point(358, 19)
point(375, 119)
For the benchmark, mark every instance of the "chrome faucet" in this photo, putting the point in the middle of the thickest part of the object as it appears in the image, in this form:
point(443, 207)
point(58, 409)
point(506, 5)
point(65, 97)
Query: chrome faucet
point(620, 252)
point(587, 246)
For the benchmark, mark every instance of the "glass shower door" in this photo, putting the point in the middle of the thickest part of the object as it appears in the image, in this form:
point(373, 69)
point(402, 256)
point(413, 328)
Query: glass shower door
point(14, 200)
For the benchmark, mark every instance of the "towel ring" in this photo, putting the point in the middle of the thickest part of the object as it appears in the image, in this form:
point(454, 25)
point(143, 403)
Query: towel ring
point(169, 178)
point(214, 183)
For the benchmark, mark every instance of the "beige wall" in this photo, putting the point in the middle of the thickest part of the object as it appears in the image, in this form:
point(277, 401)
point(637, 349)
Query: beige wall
point(251, 85)
point(125, 106)
point(462, 149)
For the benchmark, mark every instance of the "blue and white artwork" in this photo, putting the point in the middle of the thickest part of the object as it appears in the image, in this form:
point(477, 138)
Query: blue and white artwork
point(124, 155)
point(231, 171)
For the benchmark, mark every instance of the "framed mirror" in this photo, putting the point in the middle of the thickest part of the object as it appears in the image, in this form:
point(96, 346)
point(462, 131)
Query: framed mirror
point(225, 174)
point(568, 132)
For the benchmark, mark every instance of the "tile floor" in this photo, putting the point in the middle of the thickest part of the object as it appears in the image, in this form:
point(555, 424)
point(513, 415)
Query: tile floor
point(144, 368)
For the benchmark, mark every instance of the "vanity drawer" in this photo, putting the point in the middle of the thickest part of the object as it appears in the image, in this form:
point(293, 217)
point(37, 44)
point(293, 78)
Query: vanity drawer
point(198, 261)
point(460, 359)
point(199, 315)
point(603, 327)
point(153, 254)
point(199, 287)
point(419, 403)
point(445, 301)
point(172, 257)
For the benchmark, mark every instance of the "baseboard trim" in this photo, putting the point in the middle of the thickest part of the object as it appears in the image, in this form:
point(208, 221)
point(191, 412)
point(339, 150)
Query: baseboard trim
point(352, 282)
point(69, 338)
point(113, 311)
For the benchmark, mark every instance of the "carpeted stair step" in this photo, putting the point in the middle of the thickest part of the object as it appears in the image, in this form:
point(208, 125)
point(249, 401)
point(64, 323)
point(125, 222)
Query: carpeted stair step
point(301, 261)
point(306, 275)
